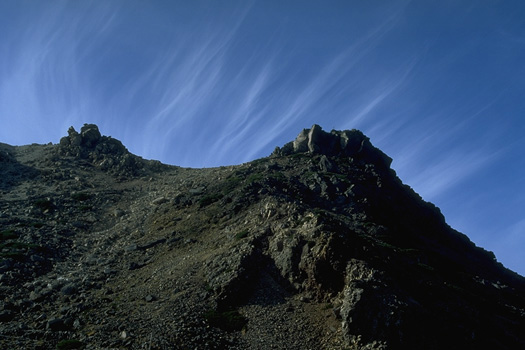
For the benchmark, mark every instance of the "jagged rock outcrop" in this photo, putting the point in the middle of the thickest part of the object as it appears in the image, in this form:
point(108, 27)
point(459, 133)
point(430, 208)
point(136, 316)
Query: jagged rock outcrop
point(349, 143)
point(104, 152)
point(88, 138)
point(319, 246)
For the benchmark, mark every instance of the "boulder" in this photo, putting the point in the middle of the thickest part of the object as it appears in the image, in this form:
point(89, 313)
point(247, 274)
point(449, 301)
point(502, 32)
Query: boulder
point(75, 139)
point(56, 324)
point(90, 135)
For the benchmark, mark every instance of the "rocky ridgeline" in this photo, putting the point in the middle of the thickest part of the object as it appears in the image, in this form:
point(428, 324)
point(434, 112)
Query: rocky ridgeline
point(319, 246)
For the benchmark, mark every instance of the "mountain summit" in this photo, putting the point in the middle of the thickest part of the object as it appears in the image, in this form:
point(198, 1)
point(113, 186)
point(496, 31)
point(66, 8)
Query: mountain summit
point(318, 246)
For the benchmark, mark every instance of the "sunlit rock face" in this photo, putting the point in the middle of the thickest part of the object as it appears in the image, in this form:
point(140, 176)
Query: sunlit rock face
point(349, 143)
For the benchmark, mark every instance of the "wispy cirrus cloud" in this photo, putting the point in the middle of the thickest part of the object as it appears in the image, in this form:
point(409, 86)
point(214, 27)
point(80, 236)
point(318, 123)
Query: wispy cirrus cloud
point(287, 103)
point(201, 84)
point(183, 92)
point(41, 84)
point(510, 244)
point(433, 155)
point(443, 173)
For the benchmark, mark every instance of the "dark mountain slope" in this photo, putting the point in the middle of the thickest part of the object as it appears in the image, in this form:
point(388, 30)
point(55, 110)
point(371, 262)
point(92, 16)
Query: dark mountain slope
point(319, 245)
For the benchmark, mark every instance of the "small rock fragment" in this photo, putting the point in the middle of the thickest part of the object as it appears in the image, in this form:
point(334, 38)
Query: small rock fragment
point(159, 200)
point(56, 324)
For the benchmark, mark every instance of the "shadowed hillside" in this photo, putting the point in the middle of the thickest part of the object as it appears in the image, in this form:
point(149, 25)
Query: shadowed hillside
point(318, 246)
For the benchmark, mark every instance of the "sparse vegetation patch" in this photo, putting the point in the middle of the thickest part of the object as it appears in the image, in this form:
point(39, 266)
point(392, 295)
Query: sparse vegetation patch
point(229, 321)
point(241, 235)
point(68, 344)
point(209, 199)
point(16, 250)
point(81, 196)
point(7, 234)
point(257, 177)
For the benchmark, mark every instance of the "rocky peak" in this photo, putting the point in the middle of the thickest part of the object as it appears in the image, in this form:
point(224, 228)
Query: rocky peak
point(87, 140)
point(104, 152)
point(350, 143)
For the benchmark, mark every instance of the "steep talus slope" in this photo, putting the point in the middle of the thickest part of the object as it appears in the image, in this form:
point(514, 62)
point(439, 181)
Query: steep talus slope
point(318, 246)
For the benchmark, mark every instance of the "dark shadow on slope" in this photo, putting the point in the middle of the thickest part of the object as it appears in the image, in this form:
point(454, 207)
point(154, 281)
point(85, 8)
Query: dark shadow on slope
point(12, 172)
point(268, 288)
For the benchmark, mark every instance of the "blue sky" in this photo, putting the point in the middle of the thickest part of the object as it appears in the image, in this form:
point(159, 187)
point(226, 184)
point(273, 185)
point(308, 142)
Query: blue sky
point(437, 85)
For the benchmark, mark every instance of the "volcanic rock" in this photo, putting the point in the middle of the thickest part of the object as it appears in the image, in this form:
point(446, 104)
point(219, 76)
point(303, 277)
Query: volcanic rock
point(318, 246)
point(90, 135)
